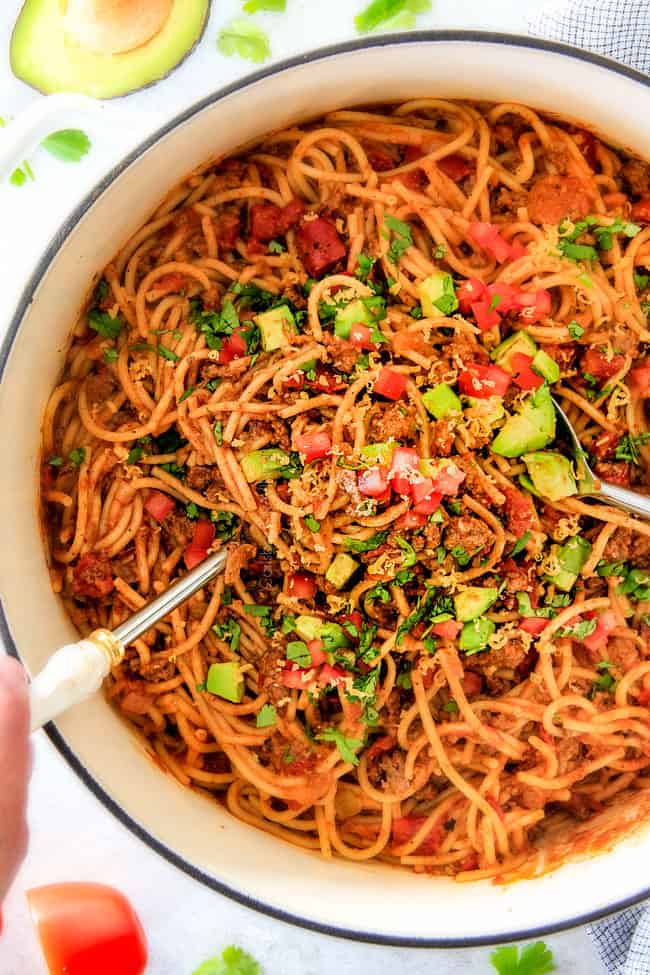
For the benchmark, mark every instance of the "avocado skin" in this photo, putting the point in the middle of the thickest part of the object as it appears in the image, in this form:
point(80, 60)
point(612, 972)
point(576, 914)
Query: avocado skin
point(40, 56)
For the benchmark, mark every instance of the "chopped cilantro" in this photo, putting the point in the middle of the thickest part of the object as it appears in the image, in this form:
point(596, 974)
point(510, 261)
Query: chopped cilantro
point(579, 630)
point(233, 961)
point(345, 745)
point(365, 545)
point(521, 543)
point(229, 632)
point(628, 447)
point(111, 355)
point(276, 247)
point(451, 707)
point(77, 456)
point(192, 511)
point(575, 331)
point(534, 959)
point(364, 266)
point(410, 557)
point(312, 524)
point(104, 324)
point(217, 430)
point(402, 238)
point(226, 524)
point(135, 454)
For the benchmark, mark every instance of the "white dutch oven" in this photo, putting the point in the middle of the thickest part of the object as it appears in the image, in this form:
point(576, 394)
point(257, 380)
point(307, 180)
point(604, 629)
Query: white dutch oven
point(368, 902)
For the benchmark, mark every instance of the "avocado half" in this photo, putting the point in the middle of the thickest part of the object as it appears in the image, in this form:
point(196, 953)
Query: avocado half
point(48, 58)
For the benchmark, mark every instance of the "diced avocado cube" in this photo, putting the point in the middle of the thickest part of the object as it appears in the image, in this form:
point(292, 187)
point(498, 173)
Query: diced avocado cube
point(546, 366)
point(521, 343)
point(264, 465)
point(309, 627)
point(341, 570)
point(379, 453)
point(551, 473)
point(474, 601)
point(333, 636)
point(441, 400)
point(530, 429)
point(356, 313)
point(275, 327)
point(226, 680)
point(490, 410)
point(474, 635)
point(437, 295)
point(307, 366)
point(571, 557)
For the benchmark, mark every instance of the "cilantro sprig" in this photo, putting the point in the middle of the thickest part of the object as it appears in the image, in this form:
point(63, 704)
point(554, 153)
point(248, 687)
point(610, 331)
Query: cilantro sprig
point(245, 40)
point(345, 745)
point(233, 961)
point(535, 959)
point(390, 15)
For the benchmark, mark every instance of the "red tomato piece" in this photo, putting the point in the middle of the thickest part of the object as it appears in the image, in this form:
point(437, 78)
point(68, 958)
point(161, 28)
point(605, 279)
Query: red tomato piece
point(613, 471)
point(449, 479)
point(159, 505)
point(455, 167)
point(268, 221)
point(447, 630)
point(313, 446)
point(405, 470)
point(391, 384)
point(469, 292)
point(488, 238)
point(228, 230)
point(523, 375)
point(295, 381)
point(380, 161)
point(426, 499)
point(412, 519)
point(325, 381)
point(534, 625)
point(472, 683)
point(319, 246)
point(87, 928)
point(520, 511)
point(92, 576)
point(332, 675)
point(507, 295)
point(639, 379)
point(604, 446)
point(234, 347)
point(202, 539)
point(483, 381)
point(355, 618)
point(318, 655)
point(405, 828)
point(293, 677)
point(413, 153)
point(361, 338)
point(486, 316)
point(533, 306)
point(302, 585)
point(373, 482)
point(597, 364)
point(597, 640)
point(641, 210)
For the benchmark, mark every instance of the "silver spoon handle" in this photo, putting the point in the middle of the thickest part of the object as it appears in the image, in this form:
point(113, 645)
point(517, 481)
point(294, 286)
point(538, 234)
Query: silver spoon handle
point(75, 672)
point(630, 501)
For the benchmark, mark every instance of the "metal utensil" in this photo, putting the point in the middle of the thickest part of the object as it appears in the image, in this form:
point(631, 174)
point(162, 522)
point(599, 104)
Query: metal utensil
point(76, 671)
point(590, 486)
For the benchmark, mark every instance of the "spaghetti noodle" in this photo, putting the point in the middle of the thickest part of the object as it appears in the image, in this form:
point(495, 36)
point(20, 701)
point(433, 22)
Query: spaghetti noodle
point(332, 354)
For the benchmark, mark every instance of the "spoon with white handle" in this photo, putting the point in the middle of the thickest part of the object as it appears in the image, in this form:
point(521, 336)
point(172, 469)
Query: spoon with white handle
point(75, 672)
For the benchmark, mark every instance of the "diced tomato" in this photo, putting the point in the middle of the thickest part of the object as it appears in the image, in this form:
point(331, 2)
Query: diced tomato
point(597, 640)
point(159, 505)
point(507, 295)
point(472, 683)
point(426, 499)
point(228, 230)
point(447, 630)
point(355, 618)
point(202, 539)
point(302, 585)
point(533, 306)
point(87, 928)
point(325, 381)
point(483, 381)
point(455, 167)
point(523, 374)
point(639, 379)
point(488, 238)
point(319, 246)
point(469, 292)
point(470, 862)
point(234, 347)
point(486, 316)
point(405, 470)
point(405, 828)
point(641, 210)
point(373, 482)
point(361, 337)
point(412, 519)
point(520, 511)
point(391, 384)
point(92, 576)
point(534, 625)
point(604, 446)
point(448, 479)
point(332, 675)
point(643, 697)
point(268, 221)
point(295, 381)
point(598, 365)
point(169, 283)
point(413, 153)
point(380, 161)
point(613, 471)
point(293, 677)
point(313, 446)
point(318, 655)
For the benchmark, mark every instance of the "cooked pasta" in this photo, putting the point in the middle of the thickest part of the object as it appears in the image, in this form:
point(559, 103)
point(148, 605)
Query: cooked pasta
point(333, 353)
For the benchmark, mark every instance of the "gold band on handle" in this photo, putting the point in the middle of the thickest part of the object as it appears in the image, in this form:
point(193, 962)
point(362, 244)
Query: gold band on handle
point(109, 644)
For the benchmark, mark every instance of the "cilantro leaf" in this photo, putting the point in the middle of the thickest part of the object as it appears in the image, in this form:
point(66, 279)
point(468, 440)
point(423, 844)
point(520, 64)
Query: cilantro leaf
point(575, 331)
point(402, 238)
point(312, 523)
point(628, 447)
point(68, 145)
point(410, 556)
point(233, 961)
point(365, 545)
point(253, 6)
point(579, 631)
point(77, 456)
point(364, 266)
point(535, 959)
point(344, 745)
point(390, 14)
point(229, 632)
point(103, 323)
point(242, 38)
point(521, 543)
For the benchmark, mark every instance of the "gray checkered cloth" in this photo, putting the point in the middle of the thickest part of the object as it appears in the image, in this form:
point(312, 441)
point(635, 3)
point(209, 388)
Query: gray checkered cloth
point(619, 29)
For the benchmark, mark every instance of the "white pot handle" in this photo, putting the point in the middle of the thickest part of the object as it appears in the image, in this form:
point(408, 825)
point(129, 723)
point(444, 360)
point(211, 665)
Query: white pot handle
point(61, 111)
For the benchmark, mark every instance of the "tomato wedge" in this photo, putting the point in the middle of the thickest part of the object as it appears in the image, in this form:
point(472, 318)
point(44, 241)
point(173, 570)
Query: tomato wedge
point(295, 677)
point(318, 655)
point(87, 929)
point(483, 381)
point(447, 630)
point(332, 675)
point(159, 505)
point(641, 210)
point(391, 384)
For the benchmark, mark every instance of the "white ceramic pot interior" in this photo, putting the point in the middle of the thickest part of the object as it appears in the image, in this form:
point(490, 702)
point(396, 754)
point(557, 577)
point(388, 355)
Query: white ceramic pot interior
point(374, 901)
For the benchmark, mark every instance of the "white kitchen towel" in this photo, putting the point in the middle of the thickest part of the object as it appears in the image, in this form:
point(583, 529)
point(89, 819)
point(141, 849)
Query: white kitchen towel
point(619, 29)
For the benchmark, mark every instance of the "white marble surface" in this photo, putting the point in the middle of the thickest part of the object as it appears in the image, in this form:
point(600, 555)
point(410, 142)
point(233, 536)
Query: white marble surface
point(72, 836)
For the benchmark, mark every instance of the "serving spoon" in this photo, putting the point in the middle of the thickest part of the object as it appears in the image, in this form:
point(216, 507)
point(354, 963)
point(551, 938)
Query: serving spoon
point(76, 671)
point(590, 486)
